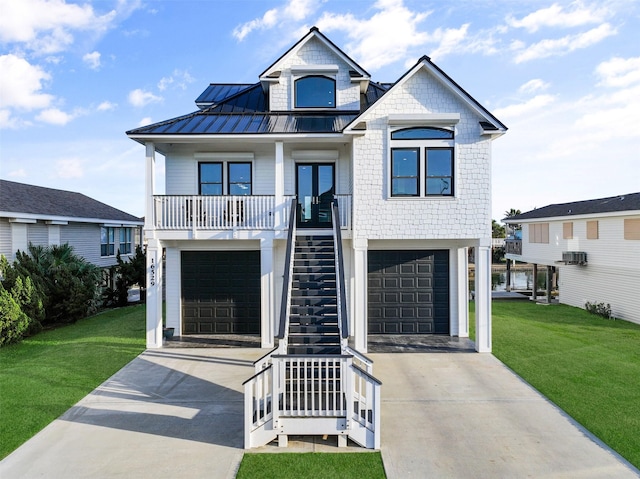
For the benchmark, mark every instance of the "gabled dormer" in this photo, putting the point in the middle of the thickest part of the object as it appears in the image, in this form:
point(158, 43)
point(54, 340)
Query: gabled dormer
point(314, 75)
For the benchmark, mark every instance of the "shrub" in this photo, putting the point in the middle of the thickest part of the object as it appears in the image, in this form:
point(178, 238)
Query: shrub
point(14, 324)
point(128, 274)
point(599, 309)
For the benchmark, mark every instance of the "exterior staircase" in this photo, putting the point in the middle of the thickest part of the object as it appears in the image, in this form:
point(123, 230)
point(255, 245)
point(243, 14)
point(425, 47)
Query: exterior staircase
point(313, 313)
point(313, 383)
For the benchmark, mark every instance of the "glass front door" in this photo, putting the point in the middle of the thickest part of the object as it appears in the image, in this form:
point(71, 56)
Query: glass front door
point(315, 190)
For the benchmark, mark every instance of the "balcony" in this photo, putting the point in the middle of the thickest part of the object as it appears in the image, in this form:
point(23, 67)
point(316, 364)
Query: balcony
point(513, 246)
point(219, 213)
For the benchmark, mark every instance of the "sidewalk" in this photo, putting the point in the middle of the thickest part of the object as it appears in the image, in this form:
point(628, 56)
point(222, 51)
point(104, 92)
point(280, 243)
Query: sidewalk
point(176, 413)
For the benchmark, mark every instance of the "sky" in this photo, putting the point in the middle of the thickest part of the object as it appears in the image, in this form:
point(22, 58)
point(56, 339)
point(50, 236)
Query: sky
point(564, 76)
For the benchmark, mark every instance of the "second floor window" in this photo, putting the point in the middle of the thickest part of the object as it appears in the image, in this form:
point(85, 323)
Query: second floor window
point(235, 179)
point(107, 241)
point(315, 91)
point(125, 241)
point(405, 172)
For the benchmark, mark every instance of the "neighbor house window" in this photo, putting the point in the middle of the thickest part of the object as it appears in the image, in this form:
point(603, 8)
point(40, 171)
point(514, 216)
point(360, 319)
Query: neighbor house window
point(210, 179)
point(567, 230)
point(632, 229)
point(125, 241)
point(107, 241)
point(539, 233)
point(239, 179)
point(315, 91)
point(592, 229)
point(405, 172)
point(422, 162)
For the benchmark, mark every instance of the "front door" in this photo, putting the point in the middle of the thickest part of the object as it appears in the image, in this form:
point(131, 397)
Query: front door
point(315, 190)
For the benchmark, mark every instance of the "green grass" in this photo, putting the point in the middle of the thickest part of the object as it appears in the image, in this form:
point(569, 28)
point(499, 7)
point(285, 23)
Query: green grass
point(587, 365)
point(366, 465)
point(45, 375)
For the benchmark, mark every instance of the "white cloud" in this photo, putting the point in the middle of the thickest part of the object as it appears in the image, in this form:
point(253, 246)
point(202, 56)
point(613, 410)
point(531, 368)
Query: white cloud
point(533, 86)
point(92, 60)
point(139, 98)
point(383, 38)
point(145, 121)
point(449, 40)
point(178, 78)
point(47, 26)
point(69, 168)
point(562, 46)
point(575, 15)
point(21, 84)
point(20, 173)
point(107, 106)
point(534, 105)
point(54, 116)
point(619, 72)
point(292, 11)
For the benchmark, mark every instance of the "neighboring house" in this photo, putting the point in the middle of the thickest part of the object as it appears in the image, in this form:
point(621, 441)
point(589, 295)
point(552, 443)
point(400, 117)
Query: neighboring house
point(46, 216)
point(409, 164)
point(593, 244)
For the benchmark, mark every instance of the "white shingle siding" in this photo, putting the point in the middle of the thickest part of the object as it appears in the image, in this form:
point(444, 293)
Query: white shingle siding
point(612, 273)
point(314, 53)
point(466, 215)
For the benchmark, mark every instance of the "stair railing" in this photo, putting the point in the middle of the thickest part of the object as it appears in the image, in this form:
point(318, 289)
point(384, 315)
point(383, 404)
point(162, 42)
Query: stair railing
point(287, 280)
point(343, 320)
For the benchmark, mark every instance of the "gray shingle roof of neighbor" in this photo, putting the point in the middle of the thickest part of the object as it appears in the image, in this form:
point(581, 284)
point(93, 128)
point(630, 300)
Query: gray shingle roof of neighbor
point(612, 204)
point(37, 200)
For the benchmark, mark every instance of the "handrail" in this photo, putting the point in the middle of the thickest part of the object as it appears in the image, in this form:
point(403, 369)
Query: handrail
point(341, 292)
point(286, 284)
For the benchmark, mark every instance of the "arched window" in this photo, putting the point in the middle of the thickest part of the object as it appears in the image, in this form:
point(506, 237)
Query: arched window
point(422, 133)
point(315, 91)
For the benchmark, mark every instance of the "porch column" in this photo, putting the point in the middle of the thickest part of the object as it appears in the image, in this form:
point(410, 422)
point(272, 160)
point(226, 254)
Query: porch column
point(267, 292)
point(483, 296)
point(154, 294)
point(534, 289)
point(280, 217)
point(463, 292)
point(150, 185)
point(360, 247)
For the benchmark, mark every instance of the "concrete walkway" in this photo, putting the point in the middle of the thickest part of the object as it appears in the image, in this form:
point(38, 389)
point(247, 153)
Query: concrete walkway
point(178, 413)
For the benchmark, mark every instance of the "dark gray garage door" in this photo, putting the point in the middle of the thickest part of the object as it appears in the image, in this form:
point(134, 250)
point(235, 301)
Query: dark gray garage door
point(220, 292)
point(408, 292)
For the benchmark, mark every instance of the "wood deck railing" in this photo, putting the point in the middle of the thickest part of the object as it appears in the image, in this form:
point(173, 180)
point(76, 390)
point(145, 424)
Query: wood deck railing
point(256, 212)
point(513, 246)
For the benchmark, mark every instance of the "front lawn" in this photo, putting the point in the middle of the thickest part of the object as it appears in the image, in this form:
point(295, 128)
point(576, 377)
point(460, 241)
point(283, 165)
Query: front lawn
point(45, 375)
point(587, 365)
point(365, 465)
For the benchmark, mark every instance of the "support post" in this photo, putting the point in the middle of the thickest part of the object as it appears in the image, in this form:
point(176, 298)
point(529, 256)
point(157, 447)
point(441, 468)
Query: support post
point(534, 289)
point(267, 306)
point(154, 294)
point(280, 216)
point(483, 296)
point(508, 286)
point(548, 285)
point(360, 294)
point(463, 292)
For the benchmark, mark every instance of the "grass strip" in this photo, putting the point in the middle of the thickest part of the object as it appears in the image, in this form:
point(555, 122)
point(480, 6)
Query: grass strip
point(587, 365)
point(45, 375)
point(312, 465)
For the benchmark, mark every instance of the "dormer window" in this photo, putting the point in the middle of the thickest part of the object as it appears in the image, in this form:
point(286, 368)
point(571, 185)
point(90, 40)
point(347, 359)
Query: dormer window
point(315, 91)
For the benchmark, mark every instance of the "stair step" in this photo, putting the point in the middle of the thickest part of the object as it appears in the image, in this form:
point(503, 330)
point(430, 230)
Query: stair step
point(297, 263)
point(310, 349)
point(325, 301)
point(323, 286)
point(325, 339)
point(313, 328)
point(313, 293)
point(310, 319)
point(314, 269)
point(321, 310)
point(326, 255)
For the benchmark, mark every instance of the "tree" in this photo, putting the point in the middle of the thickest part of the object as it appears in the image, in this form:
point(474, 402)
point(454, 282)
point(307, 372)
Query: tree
point(128, 274)
point(512, 212)
point(497, 230)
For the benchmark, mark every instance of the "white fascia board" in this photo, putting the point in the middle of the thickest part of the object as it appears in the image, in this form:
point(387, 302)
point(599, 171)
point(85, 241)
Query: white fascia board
point(315, 154)
point(190, 139)
point(321, 68)
point(218, 155)
point(15, 217)
point(588, 216)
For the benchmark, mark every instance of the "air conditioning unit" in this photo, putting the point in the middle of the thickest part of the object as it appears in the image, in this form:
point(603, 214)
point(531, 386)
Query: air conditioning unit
point(574, 257)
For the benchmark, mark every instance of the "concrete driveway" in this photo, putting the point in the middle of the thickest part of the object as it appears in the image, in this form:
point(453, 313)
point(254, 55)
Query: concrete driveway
point(178, 413)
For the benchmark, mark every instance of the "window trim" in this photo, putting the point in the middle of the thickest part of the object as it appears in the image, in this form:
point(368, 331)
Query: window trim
point(423, 145)
point(295, 78)
point(225, 176)
point(108, 249)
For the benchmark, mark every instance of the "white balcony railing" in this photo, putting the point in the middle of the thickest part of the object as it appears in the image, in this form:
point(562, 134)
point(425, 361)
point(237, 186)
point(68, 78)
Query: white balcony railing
point(195, 212)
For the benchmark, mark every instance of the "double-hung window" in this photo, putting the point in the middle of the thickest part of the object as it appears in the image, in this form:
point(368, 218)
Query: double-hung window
point(422, 162)
point(216, 180)
point(107, 241)
point(125, 241)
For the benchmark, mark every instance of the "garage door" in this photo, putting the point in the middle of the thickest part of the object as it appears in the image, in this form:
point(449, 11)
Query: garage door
point(220, 292)
point(408, 292)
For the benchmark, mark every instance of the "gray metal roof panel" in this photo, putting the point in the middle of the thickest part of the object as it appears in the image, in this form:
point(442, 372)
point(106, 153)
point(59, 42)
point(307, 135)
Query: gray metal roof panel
point(37, 200)
point(218, 92)
point(612, 204)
